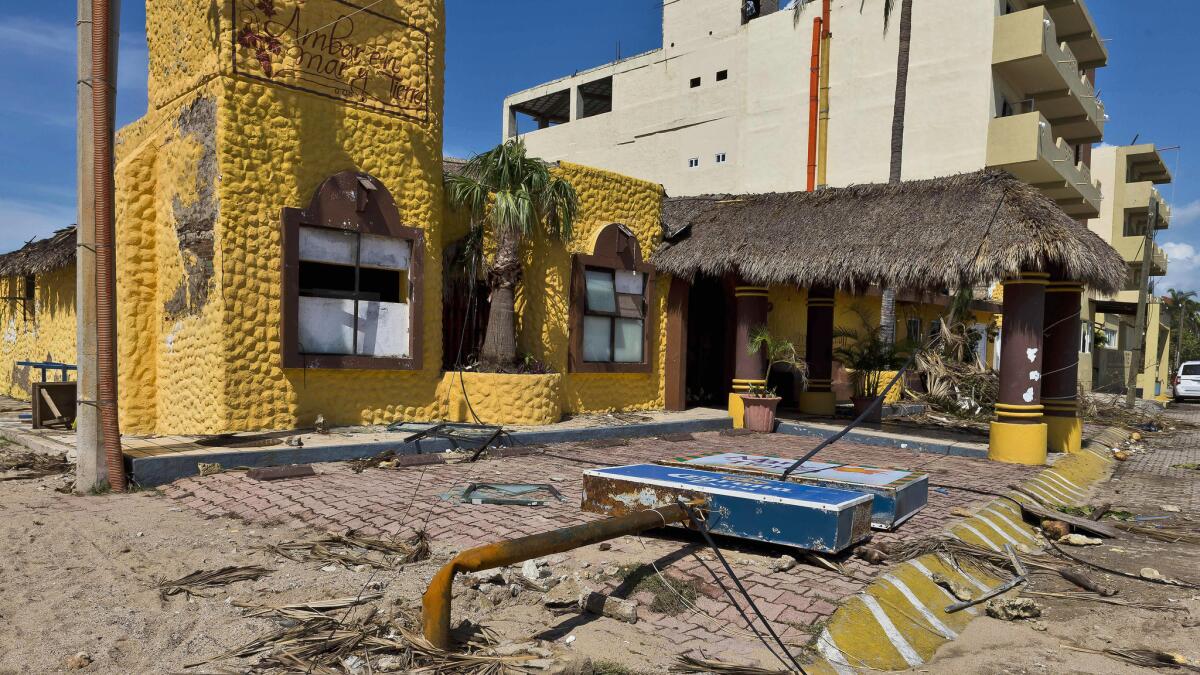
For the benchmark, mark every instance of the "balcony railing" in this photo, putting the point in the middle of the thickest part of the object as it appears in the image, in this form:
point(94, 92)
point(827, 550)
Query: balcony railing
point(1024, 146)
point(1028, 54)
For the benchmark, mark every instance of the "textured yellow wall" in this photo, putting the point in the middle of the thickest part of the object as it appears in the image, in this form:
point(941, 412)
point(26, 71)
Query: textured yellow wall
point(542, 299)
point(202, 180)
point(47, 334)
point(497, 398)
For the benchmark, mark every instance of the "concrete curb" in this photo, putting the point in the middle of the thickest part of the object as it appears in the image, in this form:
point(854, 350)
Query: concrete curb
point(36, 442)
point(889, 440)
point(898, 621)
point(161, 469)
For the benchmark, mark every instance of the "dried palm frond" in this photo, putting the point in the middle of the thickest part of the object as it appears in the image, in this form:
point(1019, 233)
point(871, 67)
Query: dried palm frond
point(318, 641)
point(1168, 534)
point(351, 550)
point(691, 664)
point(192, 583)
point(1147, 658)
point(1088, 596)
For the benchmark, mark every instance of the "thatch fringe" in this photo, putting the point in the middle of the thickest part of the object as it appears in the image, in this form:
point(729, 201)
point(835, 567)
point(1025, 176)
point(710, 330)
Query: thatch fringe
point(925, 235)
point(41, 255)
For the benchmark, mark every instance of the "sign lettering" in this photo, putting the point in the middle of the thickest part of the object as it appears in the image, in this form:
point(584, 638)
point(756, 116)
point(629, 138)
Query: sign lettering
point(368, 56)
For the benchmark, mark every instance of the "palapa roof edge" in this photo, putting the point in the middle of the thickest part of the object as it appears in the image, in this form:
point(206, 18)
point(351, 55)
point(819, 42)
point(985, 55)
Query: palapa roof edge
point(39, 256)
point(963, 230)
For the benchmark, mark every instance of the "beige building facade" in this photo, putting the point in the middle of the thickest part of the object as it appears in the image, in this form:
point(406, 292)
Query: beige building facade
point(1130, 175)
point(723, 106)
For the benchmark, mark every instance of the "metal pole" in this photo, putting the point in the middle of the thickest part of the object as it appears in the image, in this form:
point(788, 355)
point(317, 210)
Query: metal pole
point(89, 463)
point(1139, 326)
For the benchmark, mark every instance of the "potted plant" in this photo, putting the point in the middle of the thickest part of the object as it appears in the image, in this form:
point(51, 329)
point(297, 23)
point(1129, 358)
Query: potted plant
point(865, 352)
point(760, 401)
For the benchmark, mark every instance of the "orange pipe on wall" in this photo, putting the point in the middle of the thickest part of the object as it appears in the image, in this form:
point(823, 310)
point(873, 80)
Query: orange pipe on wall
point(814, 84)
point(823, 114)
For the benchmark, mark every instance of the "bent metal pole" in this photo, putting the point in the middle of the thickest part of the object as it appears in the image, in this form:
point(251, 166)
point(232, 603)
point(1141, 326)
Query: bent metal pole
point(435, 605)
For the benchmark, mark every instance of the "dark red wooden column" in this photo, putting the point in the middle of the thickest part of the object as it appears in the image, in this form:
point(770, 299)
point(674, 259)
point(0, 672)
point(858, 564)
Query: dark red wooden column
point(818, 399)
point(1060, 367)
point(748, 369)
point(1018, 435)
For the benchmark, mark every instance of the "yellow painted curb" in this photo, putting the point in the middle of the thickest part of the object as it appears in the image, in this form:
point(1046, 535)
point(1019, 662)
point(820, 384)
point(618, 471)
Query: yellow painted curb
point(899, 620)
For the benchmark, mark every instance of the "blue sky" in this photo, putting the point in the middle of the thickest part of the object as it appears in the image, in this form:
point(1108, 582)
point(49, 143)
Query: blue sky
point(1150, 89)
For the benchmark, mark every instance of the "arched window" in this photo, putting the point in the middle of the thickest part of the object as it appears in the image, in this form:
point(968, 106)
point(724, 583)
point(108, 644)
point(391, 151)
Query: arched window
point(351, 280)
point(611, 295)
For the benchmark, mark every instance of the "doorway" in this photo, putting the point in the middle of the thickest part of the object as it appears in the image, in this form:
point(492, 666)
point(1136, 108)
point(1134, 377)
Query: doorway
point(709, 339)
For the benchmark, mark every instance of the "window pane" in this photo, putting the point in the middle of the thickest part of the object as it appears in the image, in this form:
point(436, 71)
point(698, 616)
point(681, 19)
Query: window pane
point(629, 306)
point(329, 246)
point(630, 282)
point(381, 285)
point(326, 326)
point(627, 347)
point(326, 281)
point(597, 338)
point(600, 295)
point(383, 329)
point(386, 252)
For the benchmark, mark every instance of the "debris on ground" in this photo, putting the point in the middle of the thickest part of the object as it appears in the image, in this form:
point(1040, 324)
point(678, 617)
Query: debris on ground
point(351, 550)
point(16, 465)
point(1150, 573)
point(270, 473)
point(1083, 581)
point(1081, 540)
point(1013, 609)
point(1147, 658)
point(320, 425)
point(605, 605)
point(784, 563)
point(209, 468)
point(509, 494)
point(388, 459)
point(692, 664)
point(956, 589)
point(194, 582)
point(79, 661)
point(1055, 529)
point(875, 554)
point(317, 640)
point(1189, 467)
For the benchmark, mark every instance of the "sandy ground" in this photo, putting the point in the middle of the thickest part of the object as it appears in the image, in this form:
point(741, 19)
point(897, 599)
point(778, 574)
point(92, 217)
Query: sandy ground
point(990, 646)
point(79, 576)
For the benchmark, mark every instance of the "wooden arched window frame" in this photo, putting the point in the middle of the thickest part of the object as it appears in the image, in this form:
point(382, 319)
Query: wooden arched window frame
point(612, 288)
point(352, 281)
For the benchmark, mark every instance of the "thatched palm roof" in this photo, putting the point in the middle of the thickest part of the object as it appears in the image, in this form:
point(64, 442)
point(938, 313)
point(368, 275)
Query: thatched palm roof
point(963, 230)
point(41, 255)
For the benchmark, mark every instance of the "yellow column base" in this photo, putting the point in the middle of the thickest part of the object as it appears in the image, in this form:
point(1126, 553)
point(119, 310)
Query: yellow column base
point(737, 410)
point(1063, 434)
point(818, 403)
point(1017, 443)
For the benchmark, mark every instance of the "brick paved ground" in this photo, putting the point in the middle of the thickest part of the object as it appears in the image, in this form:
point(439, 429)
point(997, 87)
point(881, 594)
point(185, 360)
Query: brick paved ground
point(1151, 479)
point(391, 502)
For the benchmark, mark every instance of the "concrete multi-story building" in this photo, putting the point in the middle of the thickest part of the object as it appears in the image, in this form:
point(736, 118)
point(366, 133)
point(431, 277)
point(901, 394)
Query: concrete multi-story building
point(733, 103)
point(724, 105)
point(1129, 175)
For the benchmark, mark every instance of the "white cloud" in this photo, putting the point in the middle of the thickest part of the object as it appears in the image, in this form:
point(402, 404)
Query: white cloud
point(1183, 267)
point(1185, 214)
point(38, 37)
point(25, 220)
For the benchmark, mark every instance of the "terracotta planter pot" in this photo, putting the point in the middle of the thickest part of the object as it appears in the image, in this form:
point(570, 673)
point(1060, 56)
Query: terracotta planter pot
point(861, 404)
point(760, 413)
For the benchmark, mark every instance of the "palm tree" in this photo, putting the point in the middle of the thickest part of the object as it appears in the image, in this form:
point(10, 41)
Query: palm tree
point(887, 310)
point(514, 195)
point(1182, 308)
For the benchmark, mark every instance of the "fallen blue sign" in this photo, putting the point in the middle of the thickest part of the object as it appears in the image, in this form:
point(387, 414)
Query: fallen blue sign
point(748, 507)
point(898, 494)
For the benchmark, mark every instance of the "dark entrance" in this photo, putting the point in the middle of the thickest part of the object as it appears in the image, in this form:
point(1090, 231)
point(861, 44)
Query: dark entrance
point(464, 308)
point(709, 343)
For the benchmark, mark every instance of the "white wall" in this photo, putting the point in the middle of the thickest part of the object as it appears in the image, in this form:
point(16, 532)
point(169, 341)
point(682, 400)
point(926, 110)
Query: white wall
point(759, 116)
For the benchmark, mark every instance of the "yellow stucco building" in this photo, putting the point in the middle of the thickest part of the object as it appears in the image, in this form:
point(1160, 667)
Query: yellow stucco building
point(37, 318)
point(281, 225)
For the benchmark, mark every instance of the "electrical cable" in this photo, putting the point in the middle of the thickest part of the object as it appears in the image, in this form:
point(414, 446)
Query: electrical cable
point(699, 524)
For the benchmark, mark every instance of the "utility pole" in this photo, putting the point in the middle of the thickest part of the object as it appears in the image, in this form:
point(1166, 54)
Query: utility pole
point(90, 470)
point(1139, 326)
